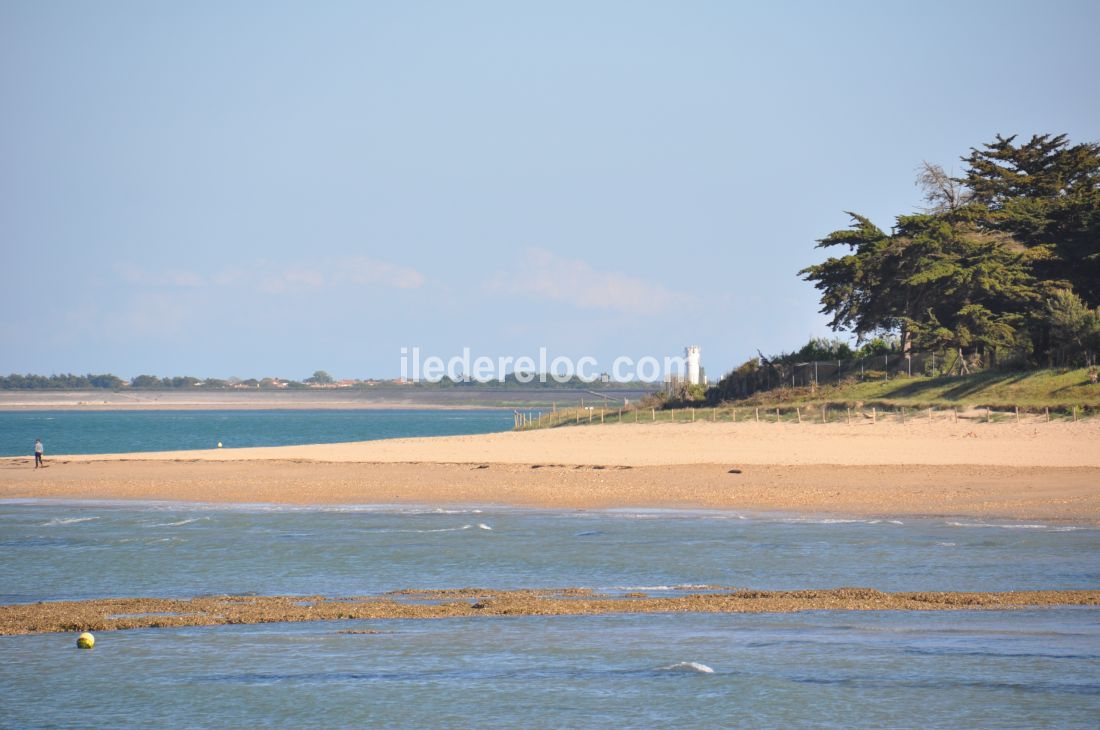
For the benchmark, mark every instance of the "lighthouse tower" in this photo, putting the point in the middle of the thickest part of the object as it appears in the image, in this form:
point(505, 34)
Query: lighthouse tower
point(694, 376)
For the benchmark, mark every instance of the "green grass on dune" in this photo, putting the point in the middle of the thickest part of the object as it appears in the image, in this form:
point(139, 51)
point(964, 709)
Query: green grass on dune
point(997, 389)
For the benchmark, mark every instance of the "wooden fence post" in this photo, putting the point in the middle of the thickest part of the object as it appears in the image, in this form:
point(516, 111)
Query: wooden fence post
point(601, 415)
point(653, 414)
point(824, 418)
point(798, 412)
point(954, 415)
point(849, 410)
point(874, 415)
point(1017, 414)
point(930, 415)
point(1075, 414)
point(777, 415)
point(1047, 410)
point(758, 415)
point(988, 415)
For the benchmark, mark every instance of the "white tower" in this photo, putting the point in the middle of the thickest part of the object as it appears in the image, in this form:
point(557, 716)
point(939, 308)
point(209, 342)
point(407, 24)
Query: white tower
point(692, 355)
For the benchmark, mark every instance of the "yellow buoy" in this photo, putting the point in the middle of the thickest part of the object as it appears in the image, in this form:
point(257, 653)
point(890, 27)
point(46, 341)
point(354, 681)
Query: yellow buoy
point(219, 444)
point(85, 641)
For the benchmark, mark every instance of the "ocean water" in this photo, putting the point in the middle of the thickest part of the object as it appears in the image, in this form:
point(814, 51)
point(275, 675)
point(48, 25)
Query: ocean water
point(111, 432)
point(1022, 668)
point(57, 551)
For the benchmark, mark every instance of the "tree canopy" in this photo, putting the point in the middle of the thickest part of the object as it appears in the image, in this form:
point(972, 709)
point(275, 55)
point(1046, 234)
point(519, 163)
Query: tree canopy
point(979, 268)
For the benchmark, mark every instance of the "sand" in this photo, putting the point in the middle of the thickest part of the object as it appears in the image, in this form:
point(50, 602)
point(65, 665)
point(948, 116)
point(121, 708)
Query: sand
point(1039, 471)
point(134, 613)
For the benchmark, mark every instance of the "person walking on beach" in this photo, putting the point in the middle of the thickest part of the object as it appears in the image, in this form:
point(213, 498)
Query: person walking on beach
point(37, 453)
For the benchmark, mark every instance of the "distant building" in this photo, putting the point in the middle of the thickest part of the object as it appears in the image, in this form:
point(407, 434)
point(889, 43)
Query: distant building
point(694, 375)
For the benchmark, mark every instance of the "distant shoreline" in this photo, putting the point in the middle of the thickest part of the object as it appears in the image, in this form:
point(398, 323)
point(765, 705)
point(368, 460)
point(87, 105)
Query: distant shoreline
point(336, 399)
point(240, 406)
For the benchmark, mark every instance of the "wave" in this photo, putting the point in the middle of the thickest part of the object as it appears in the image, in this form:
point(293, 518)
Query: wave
point(1009, 526)
point(177, 524)
point(415, 531)
point(694, 667)
point(67, 521)
point(839, 521)
point(480, 525)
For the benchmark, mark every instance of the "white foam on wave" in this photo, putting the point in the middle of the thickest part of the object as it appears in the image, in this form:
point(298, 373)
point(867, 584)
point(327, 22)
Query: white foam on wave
point(839, 521)
point(433, 529)
point(67, 521)
point(177, 524)
point(480, 526)
point(1007, 526)
point(695, 667)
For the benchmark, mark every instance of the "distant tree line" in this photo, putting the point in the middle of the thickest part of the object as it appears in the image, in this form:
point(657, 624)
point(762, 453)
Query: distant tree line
point(65, 381)
point(69, 381)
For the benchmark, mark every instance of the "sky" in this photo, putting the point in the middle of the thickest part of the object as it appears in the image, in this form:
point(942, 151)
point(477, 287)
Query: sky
point(266, 189)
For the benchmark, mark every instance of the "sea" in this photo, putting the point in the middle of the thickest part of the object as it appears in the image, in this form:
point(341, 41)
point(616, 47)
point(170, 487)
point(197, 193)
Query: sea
point(114, 432)
point(1015, 668)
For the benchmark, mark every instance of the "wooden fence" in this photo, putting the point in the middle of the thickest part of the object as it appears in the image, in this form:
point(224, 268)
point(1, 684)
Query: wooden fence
point(801, 414)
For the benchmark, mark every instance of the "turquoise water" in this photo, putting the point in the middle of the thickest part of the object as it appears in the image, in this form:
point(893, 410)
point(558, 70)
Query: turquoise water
point(112, 432)
point(983, 669)
point(68, 551)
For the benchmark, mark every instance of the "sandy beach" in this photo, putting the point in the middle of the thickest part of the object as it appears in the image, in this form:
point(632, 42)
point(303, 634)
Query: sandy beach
point(1042, 471)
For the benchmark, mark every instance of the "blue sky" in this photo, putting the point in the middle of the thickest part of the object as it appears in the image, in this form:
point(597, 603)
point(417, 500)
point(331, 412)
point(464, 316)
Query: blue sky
point(237, 188)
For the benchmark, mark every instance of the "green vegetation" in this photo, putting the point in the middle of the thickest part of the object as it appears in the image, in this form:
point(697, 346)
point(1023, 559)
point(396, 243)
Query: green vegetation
point(991, 396)
point(1000, 270)
point(320, 377)
point(1000, 258)
point(1059, 389)
point(66, 381)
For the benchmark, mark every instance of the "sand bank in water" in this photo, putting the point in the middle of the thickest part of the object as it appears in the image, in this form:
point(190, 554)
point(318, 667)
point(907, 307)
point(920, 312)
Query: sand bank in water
point(133, 613)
